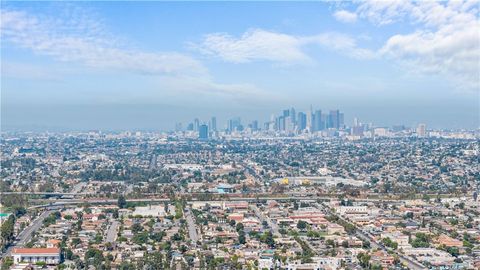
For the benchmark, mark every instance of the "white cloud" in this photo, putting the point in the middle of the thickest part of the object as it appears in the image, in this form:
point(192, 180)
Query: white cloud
point(446, 39)
point(345, 16)
point(74, 41)
point(263, 45)
point(81, 39)
point(253, 45)
point(342, 43)
point(383, 12)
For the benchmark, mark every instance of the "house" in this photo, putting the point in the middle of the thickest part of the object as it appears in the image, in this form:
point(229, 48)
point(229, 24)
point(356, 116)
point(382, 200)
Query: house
point(225, 188)
point(353, 210)
point(238, 217)
point(265, 263)
point(333, 228)
point(53, 243)
point(448, 241)
point(317, 264)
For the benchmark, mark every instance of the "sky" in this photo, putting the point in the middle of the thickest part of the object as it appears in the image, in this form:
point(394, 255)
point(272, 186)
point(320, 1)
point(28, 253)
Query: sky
point(147, 65)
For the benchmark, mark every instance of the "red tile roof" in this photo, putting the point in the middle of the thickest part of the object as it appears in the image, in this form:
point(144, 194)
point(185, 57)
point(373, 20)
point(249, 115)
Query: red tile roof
point(36, 251)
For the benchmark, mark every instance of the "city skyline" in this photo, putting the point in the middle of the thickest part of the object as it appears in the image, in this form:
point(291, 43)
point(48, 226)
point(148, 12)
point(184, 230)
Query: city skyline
point(294, 123)
point(100, 65)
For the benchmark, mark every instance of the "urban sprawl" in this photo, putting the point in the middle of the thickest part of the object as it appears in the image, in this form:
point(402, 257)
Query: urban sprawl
point(304, 191)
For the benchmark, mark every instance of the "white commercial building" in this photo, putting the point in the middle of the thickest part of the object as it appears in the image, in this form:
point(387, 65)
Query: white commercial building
point(34, 255)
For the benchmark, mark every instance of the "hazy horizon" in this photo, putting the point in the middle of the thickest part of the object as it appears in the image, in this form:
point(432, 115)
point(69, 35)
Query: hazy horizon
point(148, 65)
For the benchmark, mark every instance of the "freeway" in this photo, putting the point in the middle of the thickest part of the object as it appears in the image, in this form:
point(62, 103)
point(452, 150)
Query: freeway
point(63, 202)
point(46, 193)
point(232, 197)
point(26, 235)
point(192, 229)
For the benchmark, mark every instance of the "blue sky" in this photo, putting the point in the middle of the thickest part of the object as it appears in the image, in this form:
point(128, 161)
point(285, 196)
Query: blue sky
point(147, 65)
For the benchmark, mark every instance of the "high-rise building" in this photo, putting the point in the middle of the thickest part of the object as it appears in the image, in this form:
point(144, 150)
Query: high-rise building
point(196, 124)
point(310, 119)
point(355, 122)
point(317, 120)
point(213, 124)
point(357, 130)
point(203, 132)
point(280, 123)
point(334, 119)
point(289, 126)
point(422, 130)
point(254, 125)
point(293, 116)
point(235, 124)
point(301, 121)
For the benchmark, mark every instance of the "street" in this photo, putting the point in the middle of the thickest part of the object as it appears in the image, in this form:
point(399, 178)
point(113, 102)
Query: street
point(26, 235)
point(192, 229)
point(112, 232)
point(410, 263)
point(263, 218)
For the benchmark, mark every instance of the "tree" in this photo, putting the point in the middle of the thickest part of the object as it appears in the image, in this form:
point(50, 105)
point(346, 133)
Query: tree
point(122, 202)
point(330, 243)
point(75, 241)
point(421, 240)
point(140, 238)
point(94, 257)
point(389, 243)
point(7, 262)
point(267, 238)
point(364, 259)
point(366, 244)
point(295, 205)
point(8, 229)
point(136, 228)
point(241, 237)
point(68, 254)
point(126, 266)
point(302, 225)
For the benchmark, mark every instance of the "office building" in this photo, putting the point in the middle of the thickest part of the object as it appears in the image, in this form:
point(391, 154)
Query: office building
point(334, 119)
point(310, 120)
point(293, 116)
point(213, 124)
point(234, 124)
point(301, 121)
point(253, 125)
point(422, 130)
point(196, 124)
point(289, 125)
point(203, 132)
point(317, 121)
